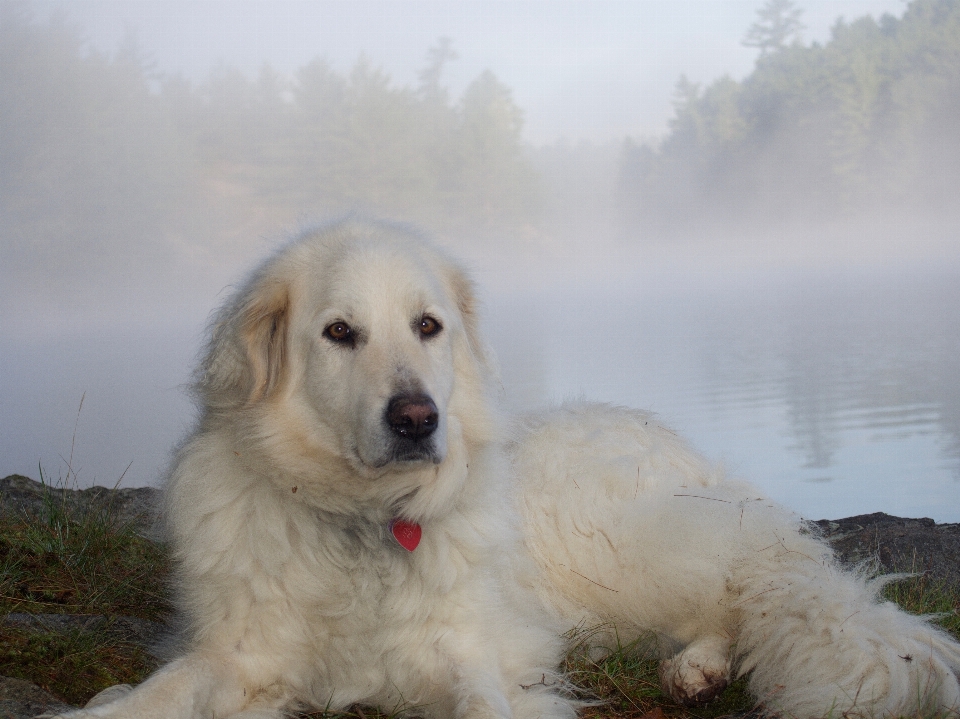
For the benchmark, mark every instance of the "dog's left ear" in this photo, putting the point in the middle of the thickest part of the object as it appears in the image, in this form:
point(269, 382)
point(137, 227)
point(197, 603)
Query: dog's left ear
point(263, 328)
point(462, 288)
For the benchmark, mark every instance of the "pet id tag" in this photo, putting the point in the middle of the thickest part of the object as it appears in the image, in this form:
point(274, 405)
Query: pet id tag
point(407, 533)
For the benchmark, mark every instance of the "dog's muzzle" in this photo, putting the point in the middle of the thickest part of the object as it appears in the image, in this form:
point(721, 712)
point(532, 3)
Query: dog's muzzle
point(413, 419)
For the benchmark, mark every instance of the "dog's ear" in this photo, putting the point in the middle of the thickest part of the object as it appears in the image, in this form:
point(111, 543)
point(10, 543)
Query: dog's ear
point(462, 288)
point(263, 328)
point(475, 366)
point(245, 359)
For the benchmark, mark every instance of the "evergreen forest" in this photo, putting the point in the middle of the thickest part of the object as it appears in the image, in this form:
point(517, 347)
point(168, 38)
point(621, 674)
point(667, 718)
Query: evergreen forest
point(867, 123)
point(105, 153)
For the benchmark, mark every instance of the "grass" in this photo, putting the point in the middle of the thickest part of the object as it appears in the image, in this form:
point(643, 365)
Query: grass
point(624, 684)
point(70, 560)
point(84, 561)
point(921, 594)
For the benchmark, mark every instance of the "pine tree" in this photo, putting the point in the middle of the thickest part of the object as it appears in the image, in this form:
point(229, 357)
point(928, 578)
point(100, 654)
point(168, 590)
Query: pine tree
point(779, 21)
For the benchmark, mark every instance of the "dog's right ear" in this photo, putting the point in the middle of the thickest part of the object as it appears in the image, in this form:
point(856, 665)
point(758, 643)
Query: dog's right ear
point(247, 355)
point(264, 324)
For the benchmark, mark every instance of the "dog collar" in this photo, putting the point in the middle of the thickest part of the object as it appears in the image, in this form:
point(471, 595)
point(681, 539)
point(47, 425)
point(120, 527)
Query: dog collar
point(406, 533)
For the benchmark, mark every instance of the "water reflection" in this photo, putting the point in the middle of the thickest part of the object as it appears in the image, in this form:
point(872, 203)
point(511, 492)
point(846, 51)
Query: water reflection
point(839, 394)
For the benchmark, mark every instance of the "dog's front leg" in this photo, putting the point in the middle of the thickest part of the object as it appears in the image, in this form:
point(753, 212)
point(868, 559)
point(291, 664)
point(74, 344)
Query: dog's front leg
point(196, 686)
point(481, 697)
point(484, 693)
point(700, 672)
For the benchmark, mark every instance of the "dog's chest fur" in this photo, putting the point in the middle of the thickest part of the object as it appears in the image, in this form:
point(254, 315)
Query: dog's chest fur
point(393, 611)
point(339, 603)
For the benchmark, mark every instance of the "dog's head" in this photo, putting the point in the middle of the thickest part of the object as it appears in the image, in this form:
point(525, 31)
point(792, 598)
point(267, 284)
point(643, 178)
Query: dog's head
point(356, 342)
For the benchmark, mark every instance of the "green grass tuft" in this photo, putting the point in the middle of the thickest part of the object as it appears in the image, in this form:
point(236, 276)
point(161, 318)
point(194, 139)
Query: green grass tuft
point(624, 684)
point(74, 560)
point(922, 594)
point(73, 665)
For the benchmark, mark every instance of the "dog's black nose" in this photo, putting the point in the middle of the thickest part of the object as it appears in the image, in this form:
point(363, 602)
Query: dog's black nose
point(412, 416)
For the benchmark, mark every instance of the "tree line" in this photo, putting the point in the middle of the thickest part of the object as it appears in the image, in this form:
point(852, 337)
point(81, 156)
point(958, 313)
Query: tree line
point(866, 123)
point(104, 158)
point(138, 168)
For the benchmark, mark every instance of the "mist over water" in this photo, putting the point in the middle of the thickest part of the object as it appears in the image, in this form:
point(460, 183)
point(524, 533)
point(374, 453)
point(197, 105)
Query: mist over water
point(778, 275)
point(834, 391)
point(94, 407)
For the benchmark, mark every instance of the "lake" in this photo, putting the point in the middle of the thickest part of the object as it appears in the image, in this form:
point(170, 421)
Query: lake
point(837, 393)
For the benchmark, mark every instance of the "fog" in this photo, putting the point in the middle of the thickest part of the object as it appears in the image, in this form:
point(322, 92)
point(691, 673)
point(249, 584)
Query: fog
point(758, 240)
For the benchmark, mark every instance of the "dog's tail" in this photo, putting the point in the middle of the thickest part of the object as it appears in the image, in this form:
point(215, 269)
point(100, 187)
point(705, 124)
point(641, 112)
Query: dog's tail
point(819, 641)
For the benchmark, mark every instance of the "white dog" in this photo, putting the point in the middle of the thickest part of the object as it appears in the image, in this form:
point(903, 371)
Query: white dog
point(353, 522)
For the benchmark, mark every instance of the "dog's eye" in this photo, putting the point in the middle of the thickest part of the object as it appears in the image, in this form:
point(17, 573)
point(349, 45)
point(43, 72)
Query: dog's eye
point(428, 326)
point(339, 332)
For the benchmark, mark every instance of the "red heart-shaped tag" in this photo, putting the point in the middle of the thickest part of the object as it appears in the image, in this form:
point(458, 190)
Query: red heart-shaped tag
point(407, 533)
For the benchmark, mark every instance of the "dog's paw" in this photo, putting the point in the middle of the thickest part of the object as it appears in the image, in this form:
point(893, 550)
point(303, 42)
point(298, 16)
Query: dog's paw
point(108, 695)
point(699, 673)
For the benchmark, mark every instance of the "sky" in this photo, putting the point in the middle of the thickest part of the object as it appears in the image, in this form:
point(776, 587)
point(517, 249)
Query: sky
point(597, 70)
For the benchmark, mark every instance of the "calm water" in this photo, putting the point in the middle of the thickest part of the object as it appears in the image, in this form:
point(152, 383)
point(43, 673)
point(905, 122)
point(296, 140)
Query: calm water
point(838, 395)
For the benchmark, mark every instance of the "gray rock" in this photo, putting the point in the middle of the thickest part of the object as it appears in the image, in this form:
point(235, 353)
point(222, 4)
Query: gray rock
point(140, 506)
point(20, 699)
point(130, 630)
point(897, 544)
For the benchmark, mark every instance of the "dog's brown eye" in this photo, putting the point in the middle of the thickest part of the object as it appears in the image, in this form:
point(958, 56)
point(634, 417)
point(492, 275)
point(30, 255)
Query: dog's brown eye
point(428, 326)
point(339, 332)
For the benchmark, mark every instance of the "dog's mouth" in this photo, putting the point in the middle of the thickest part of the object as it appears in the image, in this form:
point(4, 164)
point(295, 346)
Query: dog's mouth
point(403, 454)
point(405, 451)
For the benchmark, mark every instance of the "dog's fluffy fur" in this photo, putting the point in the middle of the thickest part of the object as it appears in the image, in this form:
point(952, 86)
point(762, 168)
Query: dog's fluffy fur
point(295, 594)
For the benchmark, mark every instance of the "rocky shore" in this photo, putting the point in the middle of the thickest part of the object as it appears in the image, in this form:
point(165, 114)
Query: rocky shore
point(893, 544)
point(21, 494)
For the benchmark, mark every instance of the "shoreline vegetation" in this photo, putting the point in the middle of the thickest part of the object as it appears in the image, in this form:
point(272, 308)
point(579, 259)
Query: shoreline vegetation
point(83, 600)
